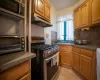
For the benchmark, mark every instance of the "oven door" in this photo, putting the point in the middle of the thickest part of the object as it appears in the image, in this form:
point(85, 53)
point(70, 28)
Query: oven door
point(51, 67)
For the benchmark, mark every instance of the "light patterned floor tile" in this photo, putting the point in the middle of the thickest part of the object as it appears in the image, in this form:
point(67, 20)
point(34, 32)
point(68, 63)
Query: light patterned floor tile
point(67, 74)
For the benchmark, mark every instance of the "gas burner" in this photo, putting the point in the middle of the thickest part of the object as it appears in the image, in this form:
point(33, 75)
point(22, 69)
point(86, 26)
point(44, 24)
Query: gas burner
point(47, 50)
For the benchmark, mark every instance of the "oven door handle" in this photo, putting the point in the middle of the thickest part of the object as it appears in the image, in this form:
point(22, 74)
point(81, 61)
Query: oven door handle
point(48, 59)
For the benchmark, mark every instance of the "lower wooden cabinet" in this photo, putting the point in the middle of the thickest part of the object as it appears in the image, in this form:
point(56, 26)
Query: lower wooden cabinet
point(84, 63)
point(26, 77)
point(65, 55)
point(65, 58)
point(19, 72)
point(76, 61)
point(86, 66)
point(81, 60)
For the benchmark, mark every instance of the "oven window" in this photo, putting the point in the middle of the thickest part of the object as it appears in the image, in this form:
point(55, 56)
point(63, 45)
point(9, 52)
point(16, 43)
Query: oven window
point(51, 70)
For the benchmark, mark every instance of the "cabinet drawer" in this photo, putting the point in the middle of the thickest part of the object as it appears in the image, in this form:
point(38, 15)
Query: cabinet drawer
point(65, 48)
point(76, 49)
point(87, 53)
point(26, 77)
point(16, 72)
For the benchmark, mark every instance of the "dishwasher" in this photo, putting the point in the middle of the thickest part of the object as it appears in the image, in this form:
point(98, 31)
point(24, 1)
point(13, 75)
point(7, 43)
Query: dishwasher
point(98, 64)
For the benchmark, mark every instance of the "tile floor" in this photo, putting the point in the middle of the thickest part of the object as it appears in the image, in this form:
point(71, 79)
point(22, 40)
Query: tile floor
point(67, 74)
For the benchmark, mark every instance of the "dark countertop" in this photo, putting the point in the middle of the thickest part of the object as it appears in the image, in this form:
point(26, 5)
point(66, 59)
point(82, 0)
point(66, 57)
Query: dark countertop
point(11, 60)
point(88, 47)
point(68, 44)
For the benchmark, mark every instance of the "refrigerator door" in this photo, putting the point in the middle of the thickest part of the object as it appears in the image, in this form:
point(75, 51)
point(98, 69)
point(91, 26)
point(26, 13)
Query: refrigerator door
point(98, 64)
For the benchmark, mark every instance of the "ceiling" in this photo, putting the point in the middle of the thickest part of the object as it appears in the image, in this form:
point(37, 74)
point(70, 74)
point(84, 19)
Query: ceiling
point(60, 4)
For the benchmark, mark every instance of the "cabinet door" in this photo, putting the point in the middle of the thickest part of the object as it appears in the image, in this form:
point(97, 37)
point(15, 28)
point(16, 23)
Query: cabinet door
point(86, 66)
point(85, 14)
point(39, 7)
point(47, 11)
point(26, 77)
point(77, 18)
point(76, 61)
point(65, 58)
point(95, 7)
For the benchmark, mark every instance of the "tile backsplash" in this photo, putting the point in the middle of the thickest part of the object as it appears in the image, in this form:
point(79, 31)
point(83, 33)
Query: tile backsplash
point(92, 35)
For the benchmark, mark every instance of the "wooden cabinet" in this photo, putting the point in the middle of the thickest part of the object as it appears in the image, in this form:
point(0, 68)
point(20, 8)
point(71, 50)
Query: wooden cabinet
point(65, 58)
point(84, 63)
point(81, 15)
point(65, 55)
point(42, 9)
point(47, 11)
point(86, 66)
point(95, 11)
point(19, 72)
point(77, 18)
point(87, 14)
point(26, 77)
point(76, 61)
point(39, 7)
point(84, 11)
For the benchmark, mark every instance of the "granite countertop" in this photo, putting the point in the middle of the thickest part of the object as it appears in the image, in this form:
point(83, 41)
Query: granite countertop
point(88, 47)
point(13, 59)
point(69, 44)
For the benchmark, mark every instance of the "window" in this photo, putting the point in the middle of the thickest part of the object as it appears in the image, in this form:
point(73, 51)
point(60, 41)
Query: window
point(65, 29)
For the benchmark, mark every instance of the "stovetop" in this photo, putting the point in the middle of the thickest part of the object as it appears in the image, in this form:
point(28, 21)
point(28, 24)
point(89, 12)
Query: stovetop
point(47, 50)
point(43, 47)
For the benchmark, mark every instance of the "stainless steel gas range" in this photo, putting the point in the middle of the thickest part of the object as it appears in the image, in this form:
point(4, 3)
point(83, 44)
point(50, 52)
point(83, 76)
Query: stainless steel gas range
point(45, 65)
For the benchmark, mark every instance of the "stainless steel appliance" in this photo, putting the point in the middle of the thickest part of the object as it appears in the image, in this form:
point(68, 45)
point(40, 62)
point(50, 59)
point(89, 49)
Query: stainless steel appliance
point(9, 44)
point(50, 67)
point(40, 21)
point(13, 5)
point(98, 63)
point(81, 42)
point(44, 66)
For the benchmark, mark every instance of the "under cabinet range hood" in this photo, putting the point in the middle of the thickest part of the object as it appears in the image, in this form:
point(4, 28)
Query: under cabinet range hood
point(39, 21)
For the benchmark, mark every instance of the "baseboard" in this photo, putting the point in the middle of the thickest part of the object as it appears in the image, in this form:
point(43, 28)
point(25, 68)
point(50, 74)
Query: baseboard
point(66, 66)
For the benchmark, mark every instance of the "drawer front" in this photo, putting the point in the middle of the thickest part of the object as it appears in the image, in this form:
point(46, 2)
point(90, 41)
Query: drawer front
point(76, 49)
point(65, 48)
point(16, 72)
point(87, 53)
point(26, 77)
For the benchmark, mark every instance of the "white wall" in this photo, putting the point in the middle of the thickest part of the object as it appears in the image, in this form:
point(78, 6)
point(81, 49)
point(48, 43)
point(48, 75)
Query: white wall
point(37, 31)
point(65, 11)
point(69, 10)
point(10, 27)
point(47, 31)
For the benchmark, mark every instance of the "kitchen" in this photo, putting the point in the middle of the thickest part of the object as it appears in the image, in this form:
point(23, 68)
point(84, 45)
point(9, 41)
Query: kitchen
point(49, 40)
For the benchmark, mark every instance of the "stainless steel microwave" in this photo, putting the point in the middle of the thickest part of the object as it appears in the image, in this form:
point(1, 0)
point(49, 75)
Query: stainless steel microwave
point(13, 5)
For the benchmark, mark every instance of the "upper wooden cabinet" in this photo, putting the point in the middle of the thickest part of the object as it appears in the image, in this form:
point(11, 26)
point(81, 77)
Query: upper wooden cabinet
point(39, 7)
point(95, 11)
point(77, 18)
point(47, 11)
point(42, 9)
point(81, 15)
point(84, 17)
point(87, 14)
